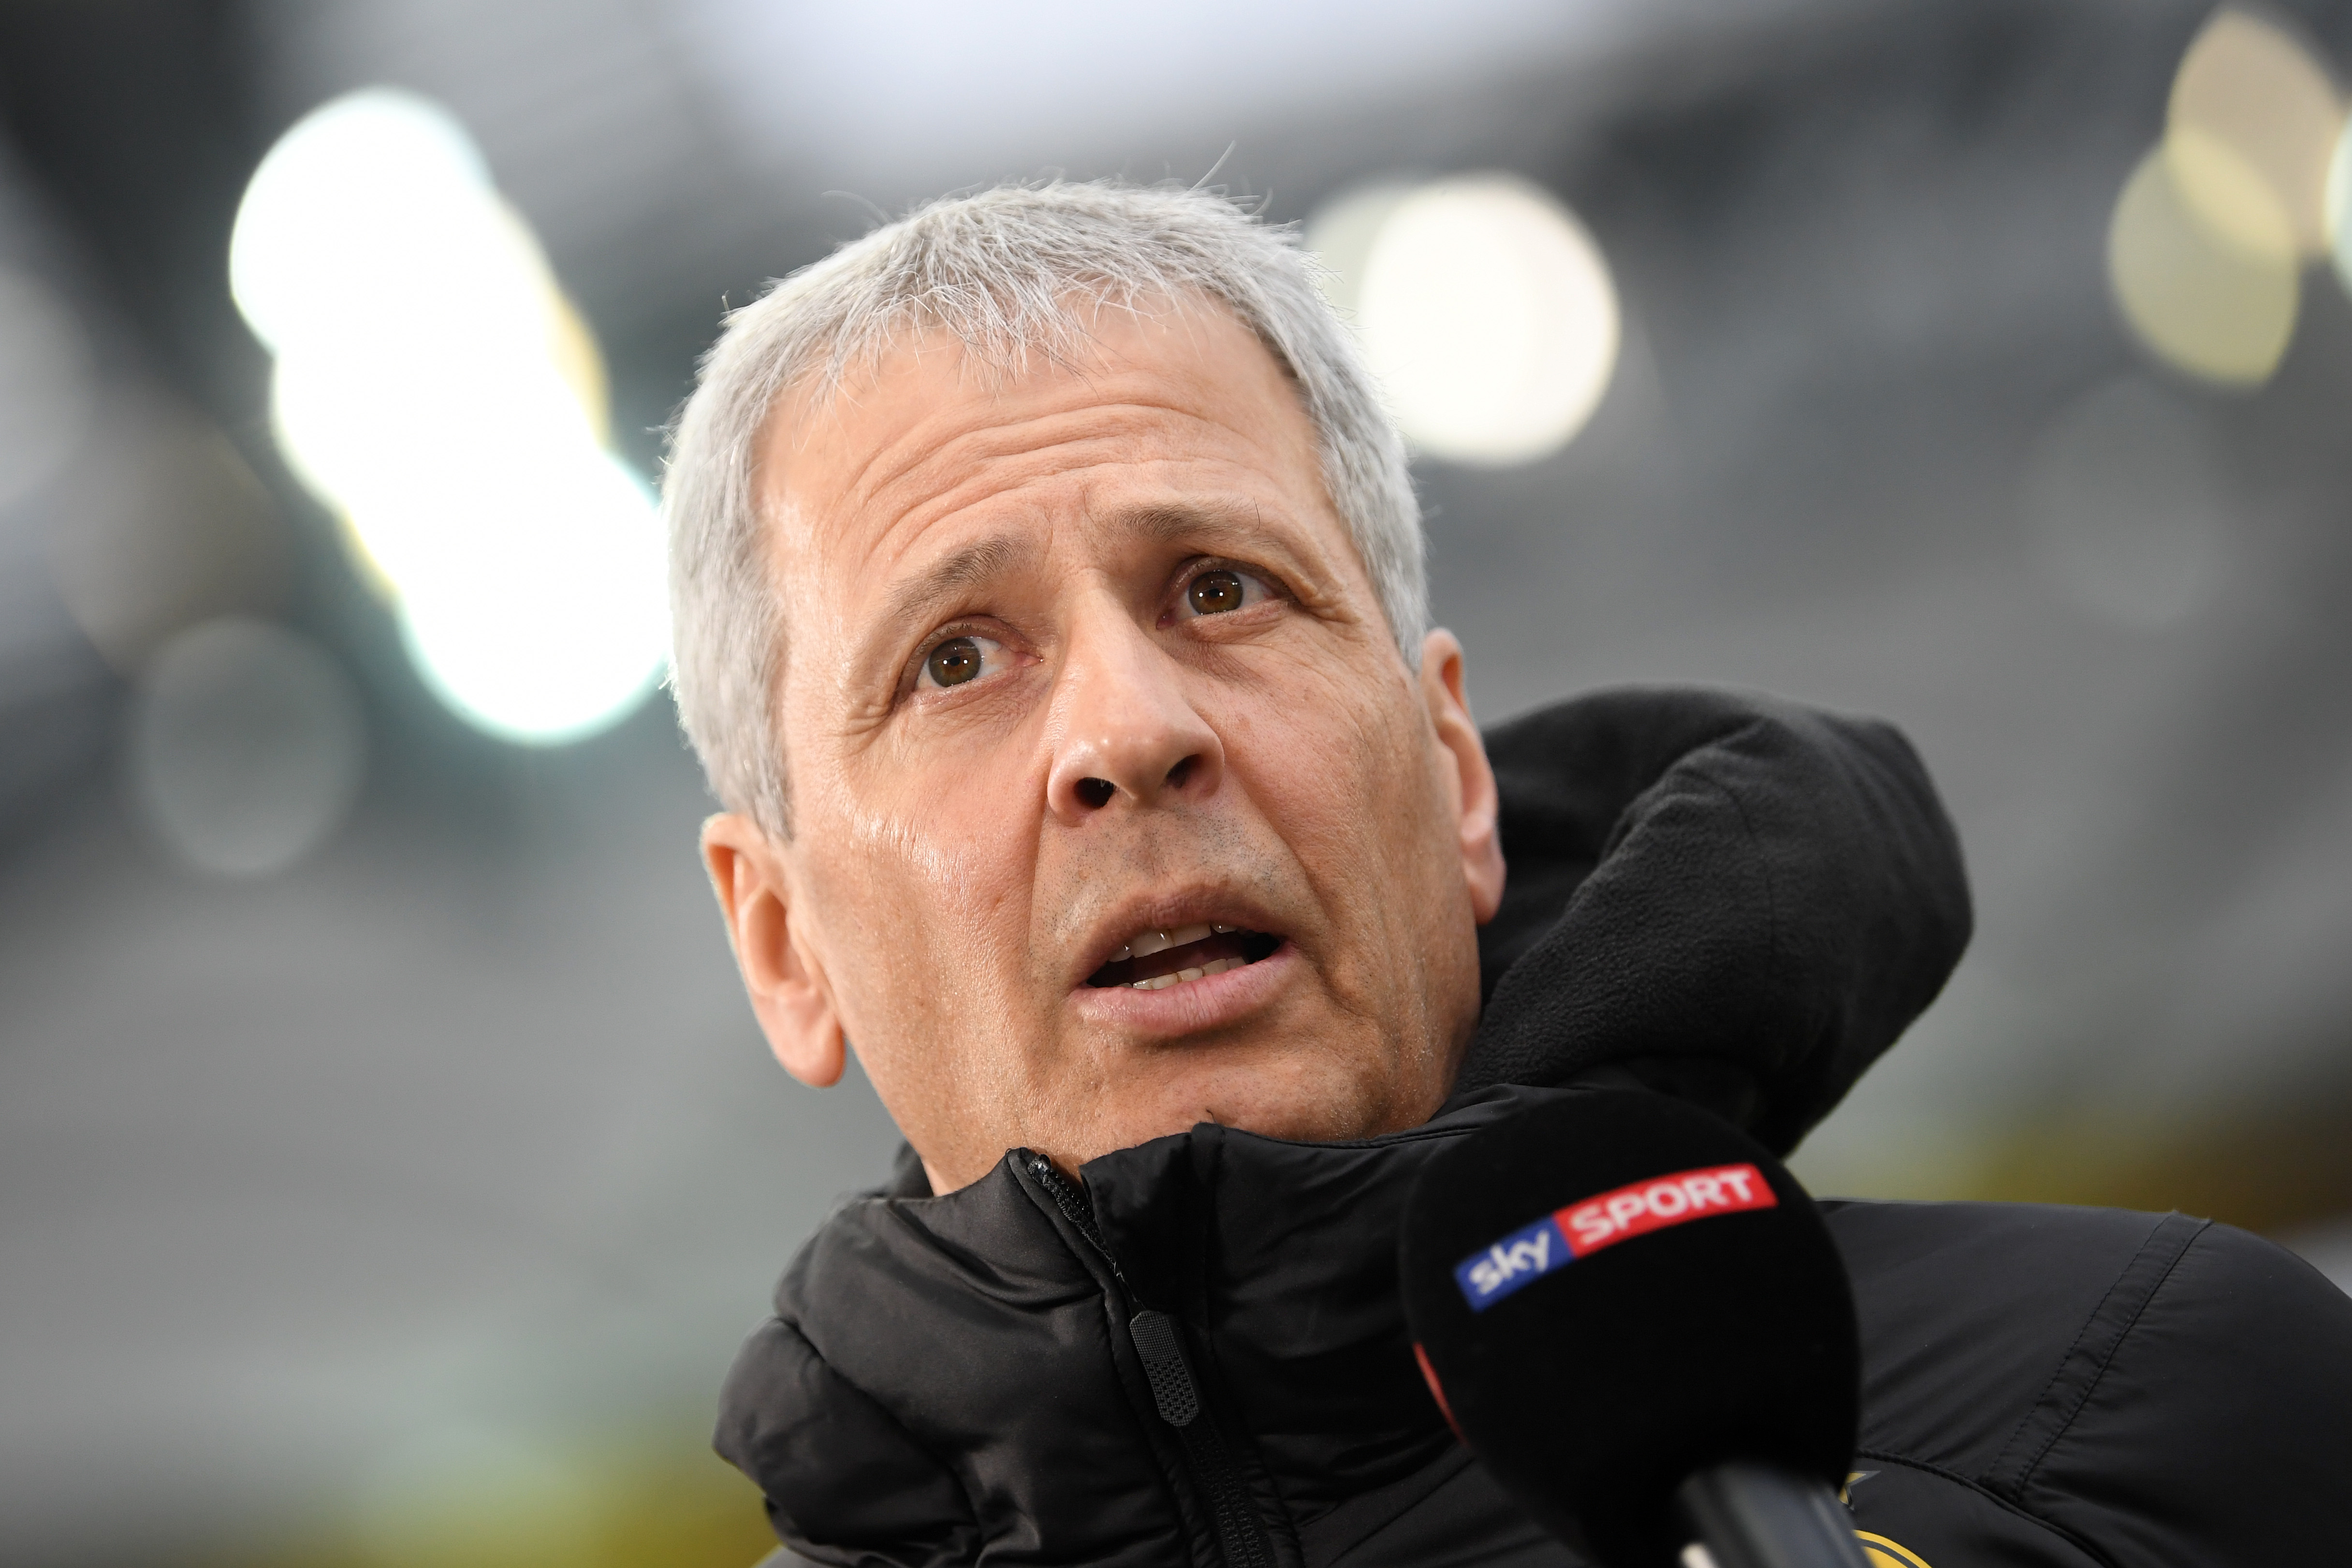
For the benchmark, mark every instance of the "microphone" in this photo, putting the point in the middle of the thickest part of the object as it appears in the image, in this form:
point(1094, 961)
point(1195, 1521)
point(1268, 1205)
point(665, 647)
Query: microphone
point(1634, 1315)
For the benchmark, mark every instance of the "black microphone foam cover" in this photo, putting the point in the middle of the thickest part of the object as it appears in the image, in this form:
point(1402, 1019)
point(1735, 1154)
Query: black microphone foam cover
point(1612, 1291)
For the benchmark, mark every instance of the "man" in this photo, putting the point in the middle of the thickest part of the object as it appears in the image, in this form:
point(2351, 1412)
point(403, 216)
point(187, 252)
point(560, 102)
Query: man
point(1050, 621)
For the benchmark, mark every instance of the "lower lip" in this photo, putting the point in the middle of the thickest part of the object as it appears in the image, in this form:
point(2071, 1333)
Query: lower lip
point(1191, 1006)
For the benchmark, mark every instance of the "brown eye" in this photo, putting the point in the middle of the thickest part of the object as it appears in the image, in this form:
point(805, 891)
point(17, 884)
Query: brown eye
point(954, 661)
point(1215, 593)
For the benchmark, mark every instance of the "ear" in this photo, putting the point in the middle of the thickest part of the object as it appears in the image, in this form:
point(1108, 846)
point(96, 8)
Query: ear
point(782, 974)
point(1471, 778)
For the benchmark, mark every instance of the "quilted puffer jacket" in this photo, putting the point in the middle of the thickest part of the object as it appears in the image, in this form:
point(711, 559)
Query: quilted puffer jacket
point(1193, 1355)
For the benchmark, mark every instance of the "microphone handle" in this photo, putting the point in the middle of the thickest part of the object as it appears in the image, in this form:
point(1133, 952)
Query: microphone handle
point(1759, 1516)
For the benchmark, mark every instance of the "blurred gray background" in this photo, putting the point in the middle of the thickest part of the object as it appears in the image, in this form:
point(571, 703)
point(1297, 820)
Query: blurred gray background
point(388, 1168)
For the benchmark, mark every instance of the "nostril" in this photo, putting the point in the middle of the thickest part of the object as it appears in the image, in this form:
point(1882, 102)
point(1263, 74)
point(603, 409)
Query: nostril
point(1179, 773)
point(1096, 793)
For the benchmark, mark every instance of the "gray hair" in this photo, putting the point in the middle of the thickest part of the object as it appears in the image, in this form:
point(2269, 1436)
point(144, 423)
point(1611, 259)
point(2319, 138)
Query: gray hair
point(1008, 271)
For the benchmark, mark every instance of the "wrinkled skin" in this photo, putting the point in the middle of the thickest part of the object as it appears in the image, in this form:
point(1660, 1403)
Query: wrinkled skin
point(1125, 742)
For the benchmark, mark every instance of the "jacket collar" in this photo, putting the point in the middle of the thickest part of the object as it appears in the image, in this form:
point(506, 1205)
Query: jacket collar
point(1278, 1257)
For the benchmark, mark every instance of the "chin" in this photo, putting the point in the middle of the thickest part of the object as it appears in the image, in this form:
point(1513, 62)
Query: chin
point(1314, 1100)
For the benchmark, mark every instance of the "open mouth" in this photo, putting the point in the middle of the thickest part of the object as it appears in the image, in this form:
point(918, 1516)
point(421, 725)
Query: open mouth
point(1153, 960)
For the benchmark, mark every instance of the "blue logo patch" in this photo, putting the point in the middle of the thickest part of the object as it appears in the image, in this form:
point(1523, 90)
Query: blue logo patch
point(1526, 1254)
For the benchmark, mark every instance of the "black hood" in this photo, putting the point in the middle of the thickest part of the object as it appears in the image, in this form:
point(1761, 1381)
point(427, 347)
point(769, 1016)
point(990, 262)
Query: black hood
point(1737, 901)
point(1725, 897)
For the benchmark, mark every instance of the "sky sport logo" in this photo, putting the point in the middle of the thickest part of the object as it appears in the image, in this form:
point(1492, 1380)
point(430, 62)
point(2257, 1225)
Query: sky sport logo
point(1581, 1229)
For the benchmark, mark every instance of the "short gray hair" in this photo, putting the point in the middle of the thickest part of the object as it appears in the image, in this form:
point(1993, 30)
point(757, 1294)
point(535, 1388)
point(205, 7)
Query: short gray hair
point(1008, 271)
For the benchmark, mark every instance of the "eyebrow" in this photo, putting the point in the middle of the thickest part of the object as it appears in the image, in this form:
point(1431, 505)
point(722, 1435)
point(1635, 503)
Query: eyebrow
point(1167, 524)
point(956, 571)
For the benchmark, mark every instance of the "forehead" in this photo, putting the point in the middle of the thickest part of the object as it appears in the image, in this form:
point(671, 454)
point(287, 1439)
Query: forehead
point(1181, 399)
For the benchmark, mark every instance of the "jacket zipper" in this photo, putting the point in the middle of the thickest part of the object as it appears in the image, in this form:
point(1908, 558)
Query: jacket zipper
point(1159, 1339)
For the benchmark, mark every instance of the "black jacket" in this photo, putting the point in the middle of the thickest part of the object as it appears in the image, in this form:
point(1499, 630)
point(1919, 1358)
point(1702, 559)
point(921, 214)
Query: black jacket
point(1723, 899)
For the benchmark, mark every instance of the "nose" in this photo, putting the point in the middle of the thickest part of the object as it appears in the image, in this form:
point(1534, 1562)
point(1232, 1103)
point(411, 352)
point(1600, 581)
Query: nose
point(1125, 730)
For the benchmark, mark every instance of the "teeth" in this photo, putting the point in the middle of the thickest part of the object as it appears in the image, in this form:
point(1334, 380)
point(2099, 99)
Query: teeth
point(1144, 944)
point(1152, 941)
point(1162, 981)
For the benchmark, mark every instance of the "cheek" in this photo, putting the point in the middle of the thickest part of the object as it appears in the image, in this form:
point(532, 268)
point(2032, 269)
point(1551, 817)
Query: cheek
point(1339, 760)
point(925, 886)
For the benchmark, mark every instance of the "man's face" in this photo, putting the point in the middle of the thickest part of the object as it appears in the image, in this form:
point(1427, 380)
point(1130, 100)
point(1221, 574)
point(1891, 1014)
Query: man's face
point(1083, 664)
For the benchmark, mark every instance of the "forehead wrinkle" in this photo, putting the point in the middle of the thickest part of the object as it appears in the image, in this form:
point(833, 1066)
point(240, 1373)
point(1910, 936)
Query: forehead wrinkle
point(963, 408)
point(1079, 433)
point(979, 478)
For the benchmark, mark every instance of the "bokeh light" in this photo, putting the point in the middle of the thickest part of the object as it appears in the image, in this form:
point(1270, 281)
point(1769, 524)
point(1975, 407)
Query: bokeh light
point(547, 665)
point(2249, 87)
point(1342, 235)
point(167, 527)
point(2339, 207)
point(247, 746)
point(1485, 310)
point(2206, 244)
point(2200, 302)
point(434, 385)
point(2126, 504)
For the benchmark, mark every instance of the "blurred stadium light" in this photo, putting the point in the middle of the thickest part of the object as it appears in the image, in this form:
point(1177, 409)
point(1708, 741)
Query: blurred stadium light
point(2336, 210)
point(2128, 504)
point(2249, 86)
point(435, 386)
point(247, 746)
point(2209, 237)
point(1485, 307)
point(2202, 300)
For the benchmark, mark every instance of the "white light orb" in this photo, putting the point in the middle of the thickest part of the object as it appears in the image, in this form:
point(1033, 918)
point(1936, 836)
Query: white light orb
point(2248, 84)
point(368, 213)
point(2196, 298)
point(433, 385)
point(1341, 235)
point(1489, 317)
point(2339, 208)
point(536, 613)
point(395, 439)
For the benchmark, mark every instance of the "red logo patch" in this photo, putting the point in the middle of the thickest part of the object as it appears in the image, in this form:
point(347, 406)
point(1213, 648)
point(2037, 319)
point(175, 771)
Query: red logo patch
point(1641, 1208)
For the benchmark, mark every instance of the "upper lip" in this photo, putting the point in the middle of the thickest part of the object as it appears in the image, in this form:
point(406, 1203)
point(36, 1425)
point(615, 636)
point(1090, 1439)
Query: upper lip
point(1166, 910)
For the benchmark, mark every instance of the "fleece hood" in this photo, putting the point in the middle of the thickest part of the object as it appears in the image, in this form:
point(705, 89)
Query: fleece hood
point(1735, 899)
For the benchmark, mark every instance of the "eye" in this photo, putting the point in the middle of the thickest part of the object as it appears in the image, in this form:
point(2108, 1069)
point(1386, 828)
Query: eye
point(1222, 590)
point(961, 660)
